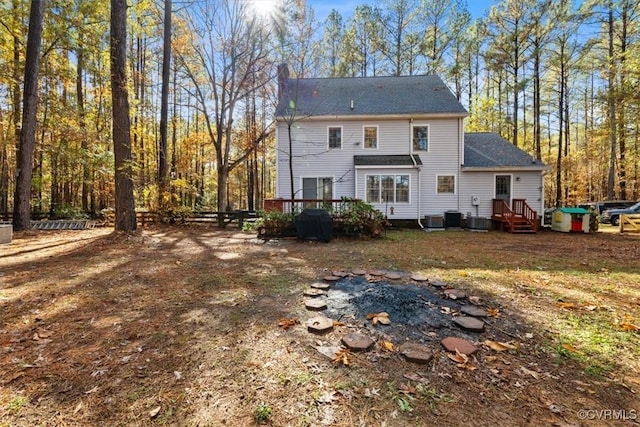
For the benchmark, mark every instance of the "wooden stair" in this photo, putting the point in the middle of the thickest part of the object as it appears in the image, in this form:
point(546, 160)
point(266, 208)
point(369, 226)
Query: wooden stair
point(519, 218)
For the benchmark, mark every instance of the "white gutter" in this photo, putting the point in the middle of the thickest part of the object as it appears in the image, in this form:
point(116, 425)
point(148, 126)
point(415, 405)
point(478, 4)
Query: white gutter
point(415, 165)
point(414, 116)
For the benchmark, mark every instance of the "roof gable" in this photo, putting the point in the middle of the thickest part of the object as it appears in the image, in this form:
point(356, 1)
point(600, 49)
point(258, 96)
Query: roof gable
point(490, 150)
point(364, 96)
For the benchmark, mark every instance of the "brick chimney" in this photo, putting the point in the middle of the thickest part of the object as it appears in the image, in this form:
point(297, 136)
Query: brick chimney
point(283, 76)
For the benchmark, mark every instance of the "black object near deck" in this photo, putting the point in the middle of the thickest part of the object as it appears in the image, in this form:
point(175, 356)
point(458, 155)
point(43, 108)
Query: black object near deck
point(314, 224)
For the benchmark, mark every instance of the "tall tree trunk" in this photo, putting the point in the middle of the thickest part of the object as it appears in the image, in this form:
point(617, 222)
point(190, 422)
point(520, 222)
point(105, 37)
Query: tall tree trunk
point(622, 167)
point(612, 109)
point(124, 203)
point(22, 198)
point(164, 104)
point(536, 103)
point(84, 144)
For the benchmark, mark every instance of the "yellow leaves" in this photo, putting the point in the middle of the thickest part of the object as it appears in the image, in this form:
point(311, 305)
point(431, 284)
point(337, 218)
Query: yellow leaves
point(343, 356)
point(570, 348)
point(382, 318)
point(566, 305)
point(501, 346)
point(628, 325)
point(386, 345)
point(286, 323)
point(493, 312)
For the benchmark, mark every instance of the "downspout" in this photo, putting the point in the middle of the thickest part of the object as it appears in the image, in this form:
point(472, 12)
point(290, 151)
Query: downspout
point(415, 165)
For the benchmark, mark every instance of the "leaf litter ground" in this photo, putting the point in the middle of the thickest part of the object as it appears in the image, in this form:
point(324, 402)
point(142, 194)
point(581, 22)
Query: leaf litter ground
point(180, 326)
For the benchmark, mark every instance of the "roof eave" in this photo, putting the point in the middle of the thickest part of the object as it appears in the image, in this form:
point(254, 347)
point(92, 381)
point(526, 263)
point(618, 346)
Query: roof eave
point(505, 168)
point(414, 116)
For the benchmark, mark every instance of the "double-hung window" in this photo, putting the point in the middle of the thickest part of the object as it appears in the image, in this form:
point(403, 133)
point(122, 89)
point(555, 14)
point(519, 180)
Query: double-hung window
point(370, 136)
point(335, 137)
point(446, 184)
point(387, 189)
point(420, 138)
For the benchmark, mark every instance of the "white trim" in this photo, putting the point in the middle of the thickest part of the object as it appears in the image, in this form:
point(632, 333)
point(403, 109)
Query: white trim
point(341, 137)
point(384, 167)
point(455, 185)
point(413, 126)
point(377, 127)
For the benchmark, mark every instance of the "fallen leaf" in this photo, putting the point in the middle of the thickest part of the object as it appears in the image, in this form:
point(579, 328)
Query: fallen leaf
point(343, 356)
point(407, 389)
point(387, 345)
point(286, 323)
point(500, 346)
point(326, 397)
point(382, 318)
point(493, 312)
point(154, 412)
point(528, 336)
point(371, 392)
point(458, 357)
point(177, 374)
point(529, 372)
point(338, 323)
point(570, 348)
point(628, 324)
point(567, 305)
point(93, 390)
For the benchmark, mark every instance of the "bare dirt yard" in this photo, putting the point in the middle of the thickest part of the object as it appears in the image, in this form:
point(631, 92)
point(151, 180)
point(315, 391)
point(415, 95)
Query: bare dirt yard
point(197, 326)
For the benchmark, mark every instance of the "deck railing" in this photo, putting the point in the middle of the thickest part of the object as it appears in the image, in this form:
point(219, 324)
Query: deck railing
point(518, 212)
point(298, 205)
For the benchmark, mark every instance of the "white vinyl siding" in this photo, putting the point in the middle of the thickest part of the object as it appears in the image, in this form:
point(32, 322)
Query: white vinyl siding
point(482, 184)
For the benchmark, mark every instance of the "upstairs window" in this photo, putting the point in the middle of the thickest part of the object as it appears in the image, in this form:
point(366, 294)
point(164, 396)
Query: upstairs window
point(335, 137)
point(446, 184)
point(370, 136)
point(421, 138)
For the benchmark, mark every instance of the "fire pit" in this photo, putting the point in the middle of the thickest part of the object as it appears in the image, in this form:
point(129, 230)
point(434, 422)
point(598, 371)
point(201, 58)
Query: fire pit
point(416, 312)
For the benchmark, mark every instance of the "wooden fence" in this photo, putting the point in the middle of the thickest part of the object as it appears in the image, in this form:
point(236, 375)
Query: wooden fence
point(630, 223)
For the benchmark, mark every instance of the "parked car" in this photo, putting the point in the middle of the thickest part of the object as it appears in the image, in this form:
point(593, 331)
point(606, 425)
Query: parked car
point(612, 216)
point(612, 204)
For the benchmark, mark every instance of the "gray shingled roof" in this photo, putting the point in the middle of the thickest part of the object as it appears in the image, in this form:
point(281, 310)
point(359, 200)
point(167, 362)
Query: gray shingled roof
point(490, 150)
point(389, 160)
point(377, 96)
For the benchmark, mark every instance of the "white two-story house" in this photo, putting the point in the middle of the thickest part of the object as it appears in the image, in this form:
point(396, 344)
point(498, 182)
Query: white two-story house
point(397, 143)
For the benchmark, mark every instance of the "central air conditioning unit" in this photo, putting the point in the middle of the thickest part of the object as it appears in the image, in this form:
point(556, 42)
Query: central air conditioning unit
point(477, 223)
point(452, 219)
point(435, 222)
